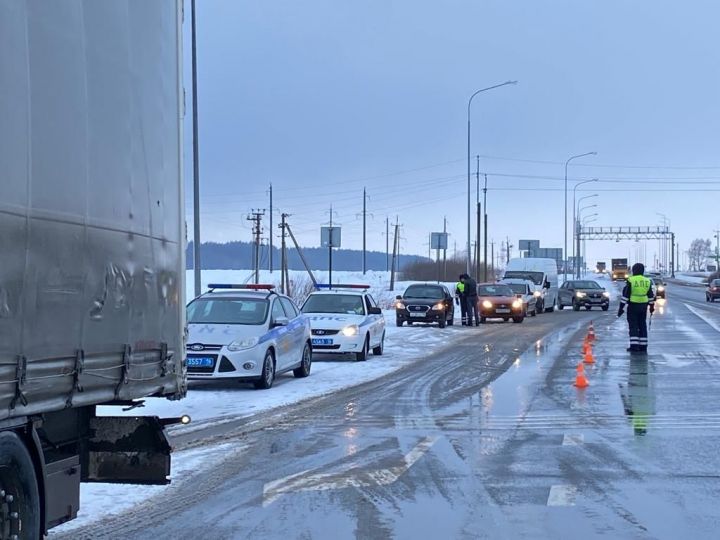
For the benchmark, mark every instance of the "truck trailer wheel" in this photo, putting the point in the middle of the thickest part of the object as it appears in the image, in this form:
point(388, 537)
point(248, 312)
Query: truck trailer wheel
point(19, 497)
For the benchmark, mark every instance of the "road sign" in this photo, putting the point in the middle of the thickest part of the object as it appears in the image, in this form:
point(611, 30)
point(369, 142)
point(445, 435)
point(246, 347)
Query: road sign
point(529, 245)
point(330, 237)
point(438, 240)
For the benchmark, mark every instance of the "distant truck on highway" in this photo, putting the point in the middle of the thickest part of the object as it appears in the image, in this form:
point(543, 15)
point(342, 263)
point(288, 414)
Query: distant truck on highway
point(92, 240)
point(600, 267)
point(620, 269)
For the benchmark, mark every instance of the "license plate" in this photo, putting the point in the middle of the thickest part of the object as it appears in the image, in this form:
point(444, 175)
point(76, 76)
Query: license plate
point(503, 310)
point(319, 341)
point(417, 314)
point(203, 361)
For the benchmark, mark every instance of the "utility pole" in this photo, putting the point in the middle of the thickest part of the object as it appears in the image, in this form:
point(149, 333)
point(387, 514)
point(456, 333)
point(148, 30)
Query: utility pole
point(672, 257)
point(387, 243)
point(396, 241)
point(509, 247)
point(485, 231)
point(256, 217)
point(477, 219)
point(330, 248)
point(364, 254)
point(445, 250)
point(283, 253)
point(492, 257)
point(717, 248)
point(270, 253)
point(197, 265)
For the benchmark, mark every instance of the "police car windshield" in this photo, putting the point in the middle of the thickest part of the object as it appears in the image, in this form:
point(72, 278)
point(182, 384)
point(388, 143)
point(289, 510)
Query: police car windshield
point(495, 290)
point(227, 311)
point(586, 285)
point(535, 277)
point(348, 304)
point(518, 288)
point(423, 291)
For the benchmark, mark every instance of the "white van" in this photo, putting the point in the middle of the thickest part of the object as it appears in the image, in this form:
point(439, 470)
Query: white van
point(542, 273)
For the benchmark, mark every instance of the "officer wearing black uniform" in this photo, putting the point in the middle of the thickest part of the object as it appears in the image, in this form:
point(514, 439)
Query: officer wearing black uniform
point(461, 299)
point(473, 317)
point(638, 296)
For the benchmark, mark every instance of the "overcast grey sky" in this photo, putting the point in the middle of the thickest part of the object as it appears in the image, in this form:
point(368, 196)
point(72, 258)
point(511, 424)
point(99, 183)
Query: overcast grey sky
point(323, 97)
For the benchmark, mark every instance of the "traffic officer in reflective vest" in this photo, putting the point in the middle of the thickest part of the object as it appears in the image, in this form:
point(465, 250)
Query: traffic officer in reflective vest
point(637, 296)
point(461, 299)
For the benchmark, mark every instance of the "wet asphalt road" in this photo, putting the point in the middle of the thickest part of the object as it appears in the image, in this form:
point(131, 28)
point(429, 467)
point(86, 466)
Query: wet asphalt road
point(487, 440)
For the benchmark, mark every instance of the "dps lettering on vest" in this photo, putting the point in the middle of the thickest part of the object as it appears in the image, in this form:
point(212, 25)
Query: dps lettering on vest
point(639, 289)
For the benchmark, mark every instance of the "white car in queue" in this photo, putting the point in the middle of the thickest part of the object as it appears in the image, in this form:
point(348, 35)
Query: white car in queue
point(248, 333)
point(345, 319)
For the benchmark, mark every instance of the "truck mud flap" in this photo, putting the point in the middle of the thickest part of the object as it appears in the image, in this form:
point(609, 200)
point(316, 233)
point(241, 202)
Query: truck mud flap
point(127, 450)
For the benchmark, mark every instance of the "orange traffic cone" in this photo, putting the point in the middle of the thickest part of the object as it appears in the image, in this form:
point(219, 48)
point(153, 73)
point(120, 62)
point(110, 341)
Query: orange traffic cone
point(591, 333)
point(586, 345)
point(580, 379)
point(589, 358)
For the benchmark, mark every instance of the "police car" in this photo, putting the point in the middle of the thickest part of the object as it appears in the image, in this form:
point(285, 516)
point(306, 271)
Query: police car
point(345, 319)
point(246, 332)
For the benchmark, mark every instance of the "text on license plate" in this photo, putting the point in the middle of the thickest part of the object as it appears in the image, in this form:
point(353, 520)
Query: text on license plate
point(503, 310)
point(321, 341)
point(417, 314)
point(200, 361)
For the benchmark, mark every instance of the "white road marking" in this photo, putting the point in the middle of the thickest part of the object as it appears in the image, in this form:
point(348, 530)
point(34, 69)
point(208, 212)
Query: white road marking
point(703, 317)
point(573, 440)
point(352, 477)
point(562, 495)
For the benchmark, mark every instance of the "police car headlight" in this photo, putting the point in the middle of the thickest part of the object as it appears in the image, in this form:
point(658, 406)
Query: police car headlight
point(537, 294)
point(487, 304)
point(351, 330)
point(242, 344)
point(606, 294)
point(517, 304)
point(580, 294)
point(439, 306)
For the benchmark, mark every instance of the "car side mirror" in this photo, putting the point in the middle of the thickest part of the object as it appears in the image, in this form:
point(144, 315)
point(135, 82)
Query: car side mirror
point(398, 297)
point(546, 285)
point(374, 311)
point(280, 321)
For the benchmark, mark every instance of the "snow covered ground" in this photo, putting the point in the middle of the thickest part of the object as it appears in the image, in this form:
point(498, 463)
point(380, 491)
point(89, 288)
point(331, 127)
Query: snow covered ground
point(695, 278)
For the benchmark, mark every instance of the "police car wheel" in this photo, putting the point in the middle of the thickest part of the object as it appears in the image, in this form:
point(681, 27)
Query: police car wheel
point(268, 373)
point(377, 351)
point(362, 355)
point(305, 364)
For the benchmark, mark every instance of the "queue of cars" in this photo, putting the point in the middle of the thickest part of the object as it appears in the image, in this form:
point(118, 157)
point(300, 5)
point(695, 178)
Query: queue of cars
point(250, 333)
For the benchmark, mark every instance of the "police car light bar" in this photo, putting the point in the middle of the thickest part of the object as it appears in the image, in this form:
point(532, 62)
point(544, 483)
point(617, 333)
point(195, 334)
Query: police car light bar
point(340, 286)
point(251, 287)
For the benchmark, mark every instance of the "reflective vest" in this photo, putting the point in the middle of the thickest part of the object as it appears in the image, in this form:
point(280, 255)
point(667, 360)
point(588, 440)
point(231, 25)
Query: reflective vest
point(460, 288)
point(639, 288)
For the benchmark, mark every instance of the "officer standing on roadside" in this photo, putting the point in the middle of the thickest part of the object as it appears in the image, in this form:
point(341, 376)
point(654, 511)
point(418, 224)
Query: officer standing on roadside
point(638, 296)
point(473, 318)
point(460, 299)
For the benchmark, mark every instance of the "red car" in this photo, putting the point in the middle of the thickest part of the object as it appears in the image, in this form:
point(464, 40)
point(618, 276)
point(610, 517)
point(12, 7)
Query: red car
point(713, 290)
point(498, 301)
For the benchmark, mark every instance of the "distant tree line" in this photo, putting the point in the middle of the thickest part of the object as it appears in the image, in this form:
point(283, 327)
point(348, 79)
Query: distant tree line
point(427, 270)
point(239, 256)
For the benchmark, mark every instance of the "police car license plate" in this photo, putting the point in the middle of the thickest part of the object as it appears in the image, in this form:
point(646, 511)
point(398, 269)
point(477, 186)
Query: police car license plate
point(321, 341)
point(503, 310)
point(200, 361)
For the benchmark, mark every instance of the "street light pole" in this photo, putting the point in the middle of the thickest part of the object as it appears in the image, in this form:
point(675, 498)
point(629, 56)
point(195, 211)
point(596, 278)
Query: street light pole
point(576, 225)
point(663, 244)
point(469, 195)
point(565, 257)
point(196, 163)
point(576, 267)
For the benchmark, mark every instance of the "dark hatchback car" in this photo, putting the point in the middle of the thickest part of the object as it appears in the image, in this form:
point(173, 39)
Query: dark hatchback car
point(425, 303)
point(583, 293)
point(659, 286)
point(713, 290)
